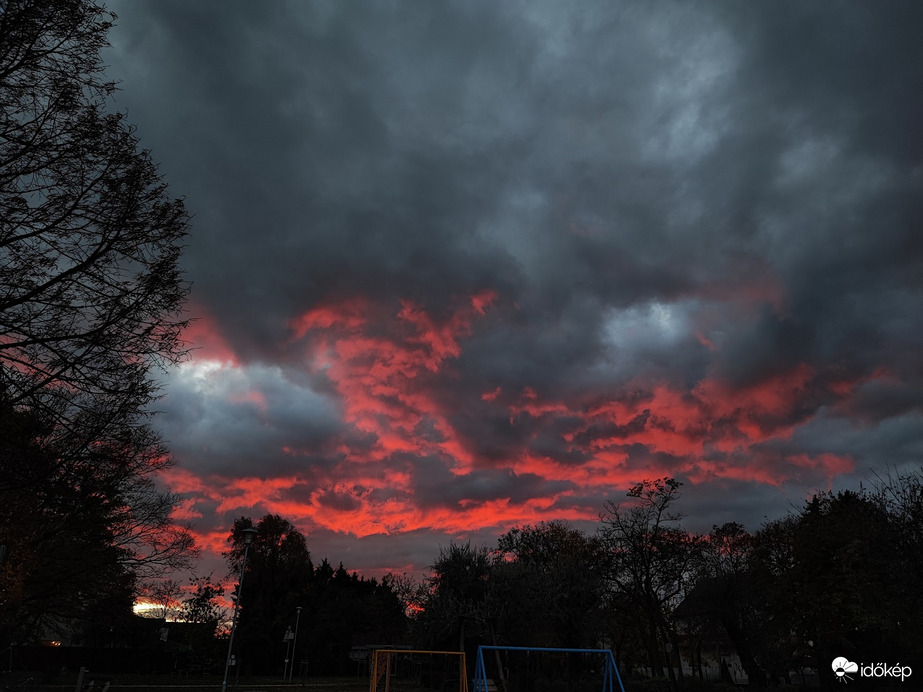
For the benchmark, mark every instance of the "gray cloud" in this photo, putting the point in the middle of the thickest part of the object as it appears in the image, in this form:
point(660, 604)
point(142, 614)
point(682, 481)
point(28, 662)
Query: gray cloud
point(666, 199)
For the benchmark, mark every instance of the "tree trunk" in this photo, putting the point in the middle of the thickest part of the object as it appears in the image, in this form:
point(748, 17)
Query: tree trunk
point(756, 676)
point(677, 655)
point(653, 648)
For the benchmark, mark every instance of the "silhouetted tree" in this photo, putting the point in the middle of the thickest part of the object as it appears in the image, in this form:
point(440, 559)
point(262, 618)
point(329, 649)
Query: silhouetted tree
point(279, 573)
point(459, 604)
point(90, 288)
point(384, 611)
point(345, 610)
point(901, 496)
point(554, 570)
point(830, 579)
point(90, 298)
point(63, 568)
point(650, 561)
point(202, 606)
point(411, 592)
point(203, 611)
point(164, 597)
point(339, 608)
point(725, 598)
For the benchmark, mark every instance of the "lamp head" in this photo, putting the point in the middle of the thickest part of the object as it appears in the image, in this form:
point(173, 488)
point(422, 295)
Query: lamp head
point(248, 535)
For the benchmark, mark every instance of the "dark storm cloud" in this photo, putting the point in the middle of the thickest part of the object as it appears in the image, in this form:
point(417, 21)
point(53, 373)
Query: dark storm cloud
point(435, 486)
point(305, 159)
point(838, 203)
point(227, 422)
point(726, 501)
point(636, 425)
point(706, 215)
point(372, 148)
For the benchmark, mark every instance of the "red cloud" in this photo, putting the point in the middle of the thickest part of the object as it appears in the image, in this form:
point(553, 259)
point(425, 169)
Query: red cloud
point(186, 511)
point(246, 493)
point(387, 363)
point(205, 337)
point(685, 426)
point(491, 396)
point(181, 480)
point(347, 314)
point(382, 379)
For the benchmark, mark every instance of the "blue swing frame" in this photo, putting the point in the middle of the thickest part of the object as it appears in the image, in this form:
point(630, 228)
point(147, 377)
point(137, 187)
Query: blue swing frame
point(611, 673)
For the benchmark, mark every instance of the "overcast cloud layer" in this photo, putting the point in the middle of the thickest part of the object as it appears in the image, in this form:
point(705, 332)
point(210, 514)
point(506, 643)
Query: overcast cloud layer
point(464, 266)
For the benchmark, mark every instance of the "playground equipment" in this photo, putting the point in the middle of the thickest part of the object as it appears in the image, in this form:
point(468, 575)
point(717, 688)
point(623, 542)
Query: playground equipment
point(390, 670)
point(528, 669)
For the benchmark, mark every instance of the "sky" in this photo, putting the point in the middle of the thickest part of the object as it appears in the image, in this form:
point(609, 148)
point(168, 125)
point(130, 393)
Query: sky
point(463, 266)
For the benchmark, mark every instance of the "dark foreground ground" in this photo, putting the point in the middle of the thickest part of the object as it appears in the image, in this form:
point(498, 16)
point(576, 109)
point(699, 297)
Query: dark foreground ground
point(67, 682)
point(27, 682)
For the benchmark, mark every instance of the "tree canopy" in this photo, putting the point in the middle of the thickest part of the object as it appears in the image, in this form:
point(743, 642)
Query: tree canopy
point(90, 288)
point(91, 298)
point(331, 608)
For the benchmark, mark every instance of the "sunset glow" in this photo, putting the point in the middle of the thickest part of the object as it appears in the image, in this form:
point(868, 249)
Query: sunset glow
point(490, 266)
point(399, 462)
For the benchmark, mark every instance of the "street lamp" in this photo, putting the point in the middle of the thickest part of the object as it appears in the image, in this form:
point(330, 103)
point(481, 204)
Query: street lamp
point(288, 647)
point(248, 535)
point(294, 641)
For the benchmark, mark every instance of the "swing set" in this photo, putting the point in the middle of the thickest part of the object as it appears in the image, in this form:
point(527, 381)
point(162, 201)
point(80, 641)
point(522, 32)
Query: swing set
point(523, 673)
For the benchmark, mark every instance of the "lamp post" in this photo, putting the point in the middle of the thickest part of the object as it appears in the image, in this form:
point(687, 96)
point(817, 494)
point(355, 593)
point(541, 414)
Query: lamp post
point(294, 642)
point(288, 647)
point(248, 535)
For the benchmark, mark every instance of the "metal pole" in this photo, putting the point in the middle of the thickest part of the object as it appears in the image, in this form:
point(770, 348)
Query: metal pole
point(294, 643)
point(288, 647)
point(248, 539)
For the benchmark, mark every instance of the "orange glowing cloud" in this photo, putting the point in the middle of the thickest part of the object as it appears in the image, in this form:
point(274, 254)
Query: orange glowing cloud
point(685, 426)
point(182, 480)
point(380, 378)
point(206, 340)
point(246, 493)
point(491, 396)
point(604, 469)
point(401, 514)
point(375, 474)
point(185, 511)
point(347, 314)
point(751, 407)
point(214, 541)
point(529, 404)
point(775, 470)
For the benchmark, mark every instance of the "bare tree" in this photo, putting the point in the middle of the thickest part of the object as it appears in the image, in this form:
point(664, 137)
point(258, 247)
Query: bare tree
point(90, 289)
point(163, 596)
point(651, 561)
point(91, 292)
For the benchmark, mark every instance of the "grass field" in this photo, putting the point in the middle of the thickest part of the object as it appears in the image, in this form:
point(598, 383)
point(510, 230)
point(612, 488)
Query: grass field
point(25, 682)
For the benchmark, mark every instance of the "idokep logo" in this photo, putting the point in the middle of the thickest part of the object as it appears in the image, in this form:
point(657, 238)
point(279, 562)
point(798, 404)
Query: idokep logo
point(844, 669)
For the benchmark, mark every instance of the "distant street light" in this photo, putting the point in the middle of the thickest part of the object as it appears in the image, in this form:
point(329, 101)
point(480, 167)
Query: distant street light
point(294, 642)
point(248, 535)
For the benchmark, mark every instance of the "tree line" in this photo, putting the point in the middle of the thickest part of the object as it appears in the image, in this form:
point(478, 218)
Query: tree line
point(338, 608)
point(838, 577)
